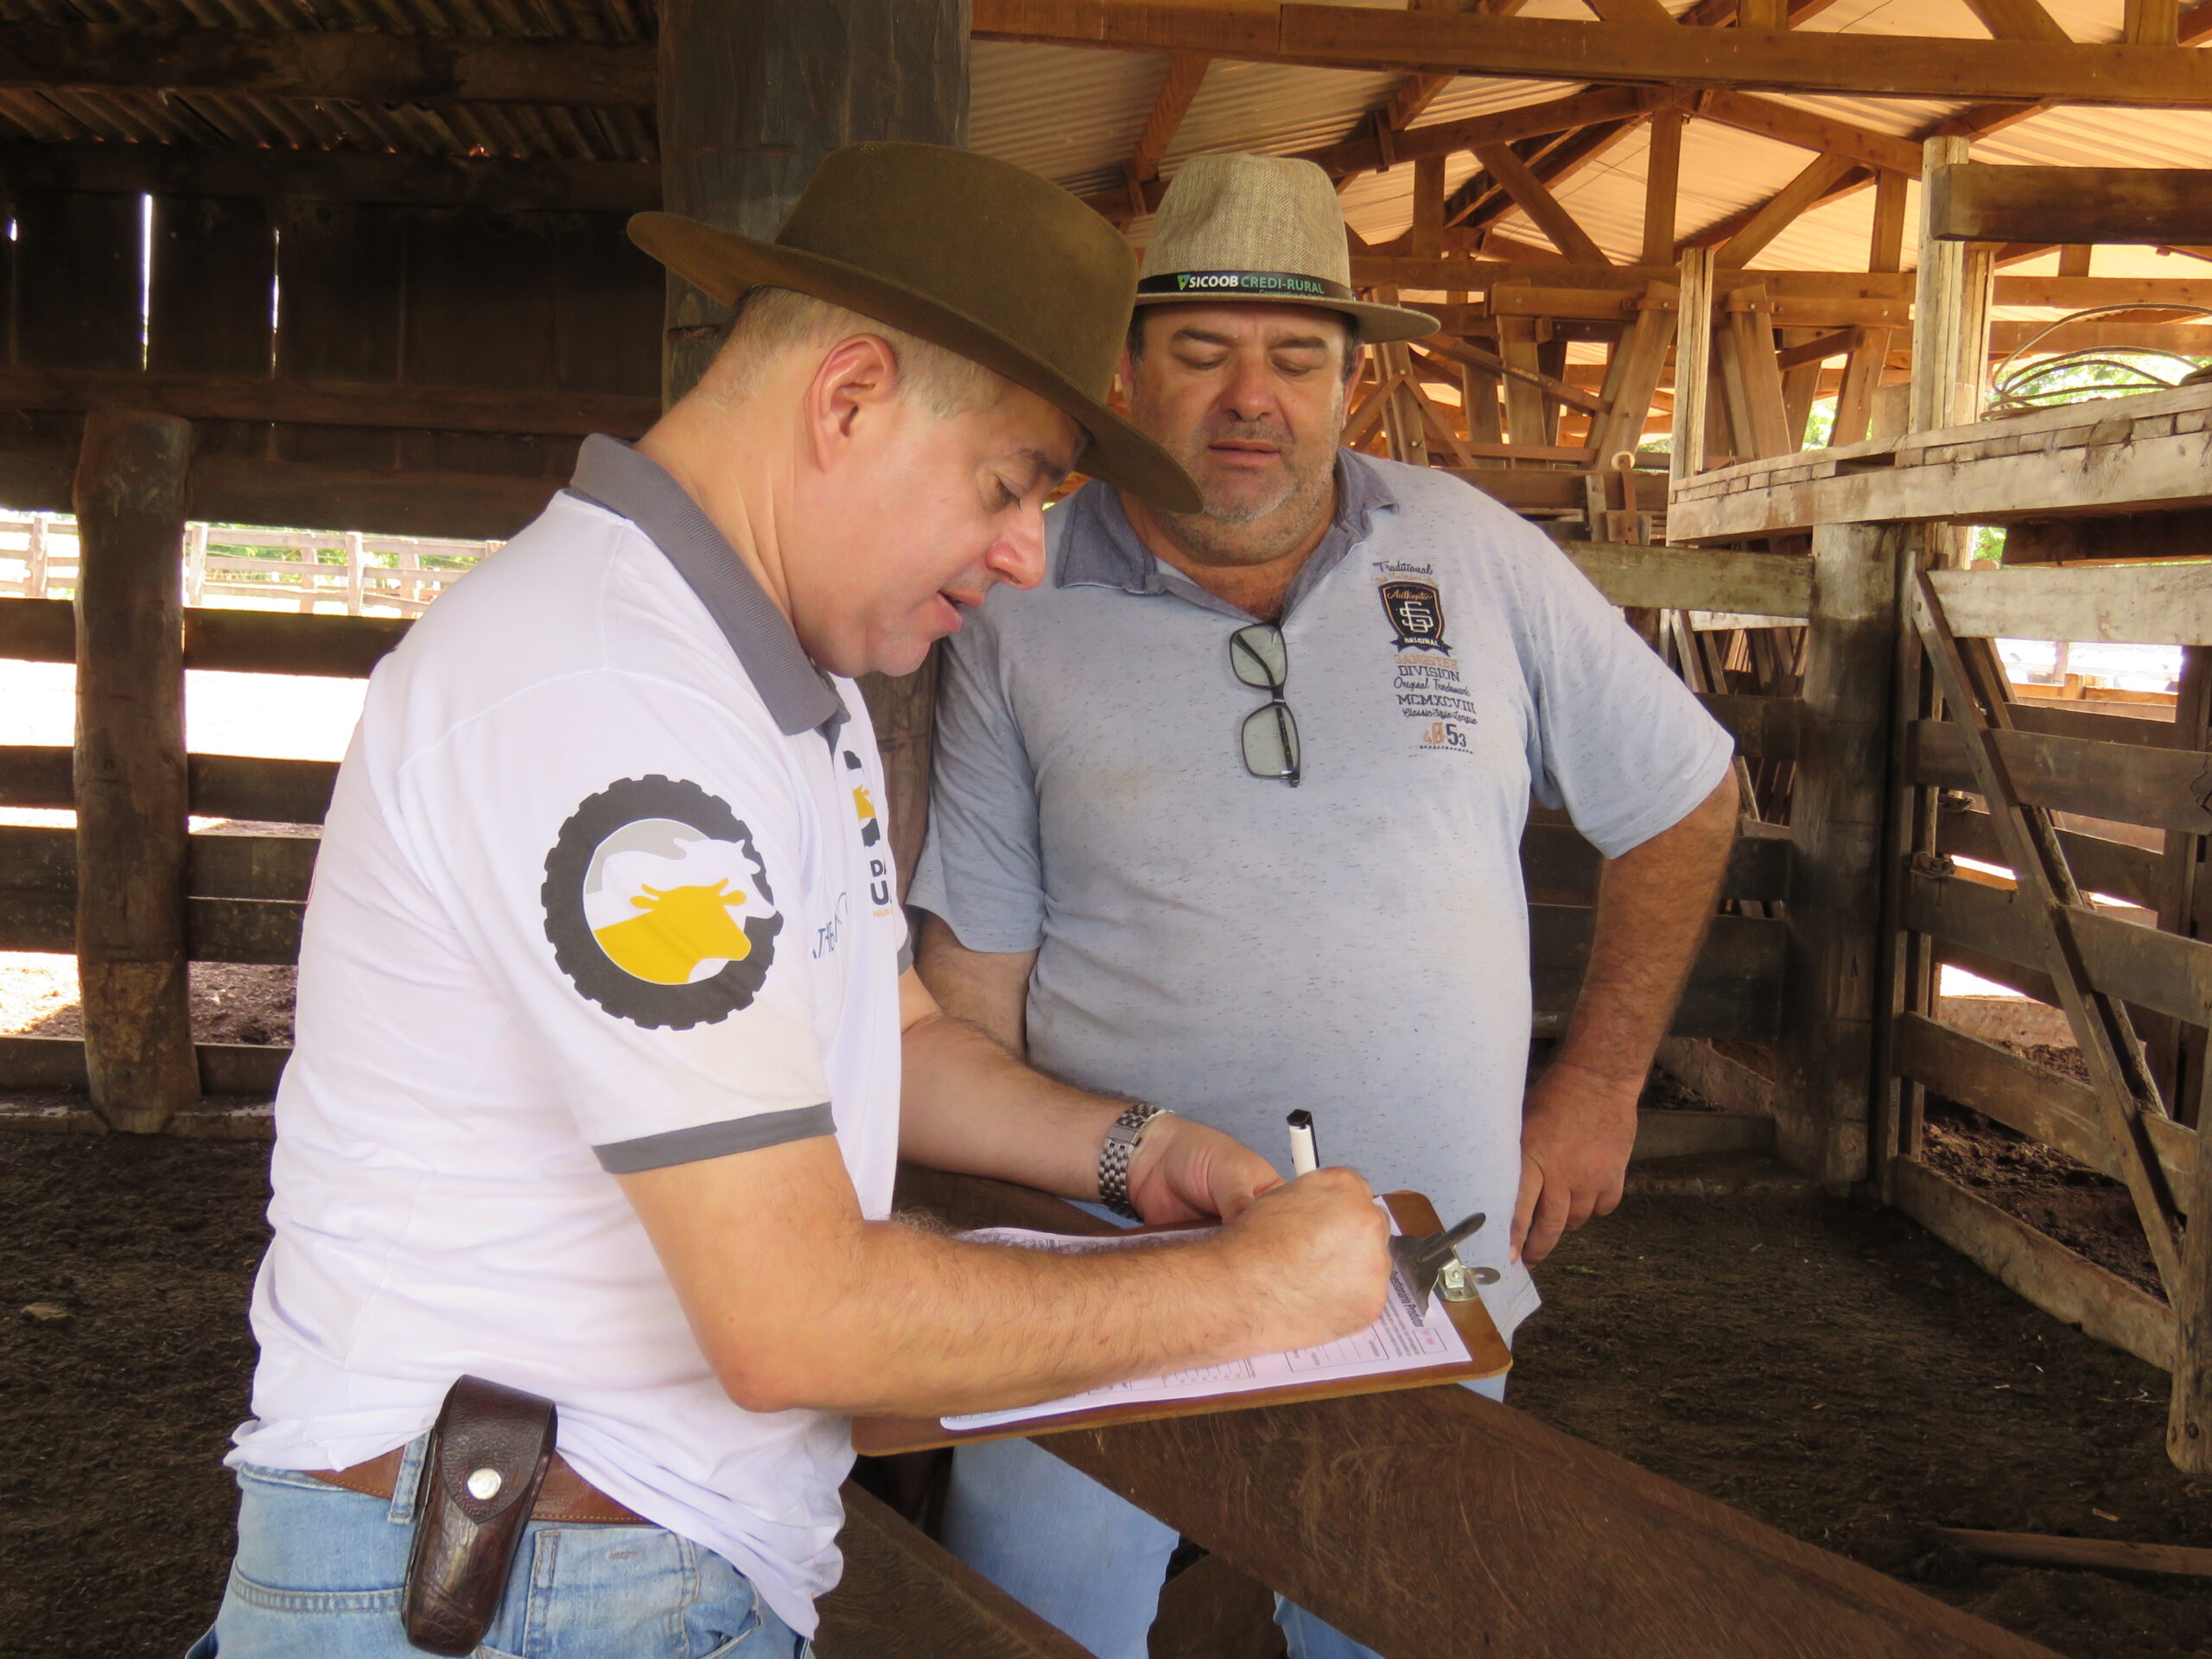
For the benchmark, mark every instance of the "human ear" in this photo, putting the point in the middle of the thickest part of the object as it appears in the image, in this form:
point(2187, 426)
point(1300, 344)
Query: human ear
point(856, 378)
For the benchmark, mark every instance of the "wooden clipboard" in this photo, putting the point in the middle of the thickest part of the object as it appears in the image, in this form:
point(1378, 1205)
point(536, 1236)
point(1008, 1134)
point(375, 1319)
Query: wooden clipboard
point(879, 1437)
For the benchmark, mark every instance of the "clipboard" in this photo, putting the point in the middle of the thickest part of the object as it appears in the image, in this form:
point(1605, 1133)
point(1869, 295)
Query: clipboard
point(880, 1437)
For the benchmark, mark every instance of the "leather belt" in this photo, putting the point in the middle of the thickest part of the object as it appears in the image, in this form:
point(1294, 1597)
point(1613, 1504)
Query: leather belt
point(566, 1496)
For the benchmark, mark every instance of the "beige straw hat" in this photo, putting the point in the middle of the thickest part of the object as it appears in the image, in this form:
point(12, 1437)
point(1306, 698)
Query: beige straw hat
point(1237, 229)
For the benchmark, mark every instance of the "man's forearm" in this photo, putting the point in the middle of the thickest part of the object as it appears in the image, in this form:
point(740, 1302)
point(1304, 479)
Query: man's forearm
point(967, 1105)
point(1654, 904)
point(797, 1301)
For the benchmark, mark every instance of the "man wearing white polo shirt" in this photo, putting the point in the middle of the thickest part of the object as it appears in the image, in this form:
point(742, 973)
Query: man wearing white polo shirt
point(1228, 812)
point(607, 1048)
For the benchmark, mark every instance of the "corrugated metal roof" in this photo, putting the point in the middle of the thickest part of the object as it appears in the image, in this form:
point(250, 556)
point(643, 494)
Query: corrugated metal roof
point(1074, 115)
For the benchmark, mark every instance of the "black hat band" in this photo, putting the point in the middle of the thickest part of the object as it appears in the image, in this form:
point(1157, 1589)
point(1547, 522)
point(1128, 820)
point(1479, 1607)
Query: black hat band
point(1244, 284)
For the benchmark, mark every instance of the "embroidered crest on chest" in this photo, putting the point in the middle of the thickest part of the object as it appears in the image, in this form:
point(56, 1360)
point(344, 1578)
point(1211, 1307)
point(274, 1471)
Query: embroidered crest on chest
point(1427, 681)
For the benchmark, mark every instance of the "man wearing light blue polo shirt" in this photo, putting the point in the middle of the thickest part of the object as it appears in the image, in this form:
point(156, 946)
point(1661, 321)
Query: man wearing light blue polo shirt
point(1228, 812)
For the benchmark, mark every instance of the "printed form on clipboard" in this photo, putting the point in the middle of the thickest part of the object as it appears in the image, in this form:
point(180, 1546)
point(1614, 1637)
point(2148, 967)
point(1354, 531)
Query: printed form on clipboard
point(1398, 1342)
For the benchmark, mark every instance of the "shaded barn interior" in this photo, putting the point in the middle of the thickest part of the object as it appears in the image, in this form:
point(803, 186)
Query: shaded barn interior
point(362, 270)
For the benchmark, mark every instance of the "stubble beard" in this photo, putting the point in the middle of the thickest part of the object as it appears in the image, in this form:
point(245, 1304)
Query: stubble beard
point(1232, 532)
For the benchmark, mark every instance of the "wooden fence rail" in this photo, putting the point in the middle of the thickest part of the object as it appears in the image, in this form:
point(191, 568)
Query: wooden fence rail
point(244, 892)
point(398, 574)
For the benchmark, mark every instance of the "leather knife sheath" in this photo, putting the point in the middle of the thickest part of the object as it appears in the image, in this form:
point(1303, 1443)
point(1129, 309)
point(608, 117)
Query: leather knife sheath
point(488, 1453)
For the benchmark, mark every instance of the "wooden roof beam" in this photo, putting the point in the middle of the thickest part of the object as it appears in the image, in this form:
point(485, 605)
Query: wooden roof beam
point(1895, 65)
point(1721, 230)
point(1479, 203)
point(1535, 199)
point(2045, 205)
point(1808, 130)
point(366, 67)
point(1815, 184)
point(495, 182)
point(2192, 26)
point(1538, 120)
point(2020, 20)
point(1714, 13)
point(1140, 173)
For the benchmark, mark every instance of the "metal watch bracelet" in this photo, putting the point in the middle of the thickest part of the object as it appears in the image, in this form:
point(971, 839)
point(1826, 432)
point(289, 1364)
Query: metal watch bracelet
point(1114, 1157)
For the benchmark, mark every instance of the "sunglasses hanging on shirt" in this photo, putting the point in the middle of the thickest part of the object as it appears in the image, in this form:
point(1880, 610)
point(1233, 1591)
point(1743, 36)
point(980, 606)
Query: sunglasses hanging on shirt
point(1260, 658)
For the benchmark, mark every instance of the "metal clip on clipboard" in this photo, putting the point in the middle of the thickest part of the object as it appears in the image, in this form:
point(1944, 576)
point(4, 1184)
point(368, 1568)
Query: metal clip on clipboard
point(1430, 1263)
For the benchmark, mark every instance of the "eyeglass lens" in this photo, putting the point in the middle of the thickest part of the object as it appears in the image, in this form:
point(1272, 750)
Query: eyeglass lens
point(1260, 659)
point(1271, 742)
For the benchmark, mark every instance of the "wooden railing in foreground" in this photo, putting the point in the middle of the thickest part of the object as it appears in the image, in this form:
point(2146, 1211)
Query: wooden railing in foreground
point(245, 892)
point(1376, 1512)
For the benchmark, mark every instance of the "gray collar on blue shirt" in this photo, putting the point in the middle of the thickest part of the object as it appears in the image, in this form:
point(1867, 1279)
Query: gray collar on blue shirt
point(611, 474)
point(1101, 548)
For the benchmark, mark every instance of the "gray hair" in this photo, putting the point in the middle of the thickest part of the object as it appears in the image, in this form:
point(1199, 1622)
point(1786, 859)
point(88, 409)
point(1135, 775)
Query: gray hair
point(769, 321)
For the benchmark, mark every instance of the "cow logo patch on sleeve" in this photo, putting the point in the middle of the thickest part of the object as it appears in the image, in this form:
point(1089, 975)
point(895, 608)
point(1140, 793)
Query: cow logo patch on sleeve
point(658, 905)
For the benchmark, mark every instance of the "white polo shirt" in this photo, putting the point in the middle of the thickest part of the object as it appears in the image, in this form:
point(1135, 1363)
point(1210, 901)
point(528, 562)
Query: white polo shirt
point(602, 889)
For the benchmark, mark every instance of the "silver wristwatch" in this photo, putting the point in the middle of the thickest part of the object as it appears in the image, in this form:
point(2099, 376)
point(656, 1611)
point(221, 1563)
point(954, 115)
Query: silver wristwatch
point(1114, 1157)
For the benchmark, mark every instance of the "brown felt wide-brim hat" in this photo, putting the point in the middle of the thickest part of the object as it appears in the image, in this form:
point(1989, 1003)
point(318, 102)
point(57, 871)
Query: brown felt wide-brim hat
point(977, 256)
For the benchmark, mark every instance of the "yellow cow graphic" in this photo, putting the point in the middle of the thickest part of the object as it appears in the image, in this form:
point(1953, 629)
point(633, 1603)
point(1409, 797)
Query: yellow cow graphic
point(681, 928)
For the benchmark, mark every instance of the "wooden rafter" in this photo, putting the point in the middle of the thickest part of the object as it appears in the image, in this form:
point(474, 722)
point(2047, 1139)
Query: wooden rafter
point(1479, 203)
point(1336, 36)
point(1714, 13)
point(1140, 173)
point(1185, 74)
point(1721, 230)
point(1535, 199)
point(375, 69)
point(1819, 176)
point(1809, 130)
point(1363, 153)
point(497, 183)
point(2020, 20)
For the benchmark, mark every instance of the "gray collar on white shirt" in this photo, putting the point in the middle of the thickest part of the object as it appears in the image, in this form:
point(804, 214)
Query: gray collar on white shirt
point(1101, 548)
point(611, 474)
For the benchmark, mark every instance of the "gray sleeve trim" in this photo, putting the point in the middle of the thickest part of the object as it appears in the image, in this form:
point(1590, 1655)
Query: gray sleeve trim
point(704, 1141)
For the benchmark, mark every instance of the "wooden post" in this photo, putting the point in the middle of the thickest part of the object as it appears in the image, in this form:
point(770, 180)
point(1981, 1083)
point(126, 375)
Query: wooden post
point(131, 809)
point(1524, 403)
point(1427, 238)
point(1837, 824)
point(1950, 314)
point(1862, 371)
point(1662, 172)
point(35, 558)
point(1693, 367)
point(2189, 1411)
point(752, 98)
point(195, 564)
point(356, 566)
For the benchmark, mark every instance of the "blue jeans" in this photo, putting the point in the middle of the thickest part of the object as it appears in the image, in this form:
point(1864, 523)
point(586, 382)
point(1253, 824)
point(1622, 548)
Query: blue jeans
point(1082, 1559)
point(319, 1572)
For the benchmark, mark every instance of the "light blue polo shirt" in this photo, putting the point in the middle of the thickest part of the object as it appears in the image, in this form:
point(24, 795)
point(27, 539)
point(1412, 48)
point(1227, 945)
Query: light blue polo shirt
point(1235, 948)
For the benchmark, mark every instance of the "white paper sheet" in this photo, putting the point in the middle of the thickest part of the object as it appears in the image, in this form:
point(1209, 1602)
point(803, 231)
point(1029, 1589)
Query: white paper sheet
point(1396, 1342)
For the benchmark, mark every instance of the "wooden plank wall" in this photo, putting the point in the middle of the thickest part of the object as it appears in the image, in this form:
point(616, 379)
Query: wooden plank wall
point(381, 296)
point(246, 892)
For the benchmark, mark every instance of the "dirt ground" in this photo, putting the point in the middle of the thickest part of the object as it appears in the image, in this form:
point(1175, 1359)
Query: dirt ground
point(1832, 1371)
point(2087, 1211)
